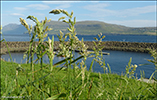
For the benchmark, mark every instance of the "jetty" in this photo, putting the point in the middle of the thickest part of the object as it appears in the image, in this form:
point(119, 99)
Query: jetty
point(108, 45)
point(104, 53)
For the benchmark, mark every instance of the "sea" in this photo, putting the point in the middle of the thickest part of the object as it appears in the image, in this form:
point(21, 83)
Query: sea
point(108, 37)
point(117, 60)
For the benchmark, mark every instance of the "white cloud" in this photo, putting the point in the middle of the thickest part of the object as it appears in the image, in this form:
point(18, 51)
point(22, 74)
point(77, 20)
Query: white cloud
point(16, 14)
point(63, 6)
point(138, 10)
point(96, 7)
point(38, 6)
point(38, 14)
point(60, 2)
point(20, 8)
point(100, 10)
point(135, 23)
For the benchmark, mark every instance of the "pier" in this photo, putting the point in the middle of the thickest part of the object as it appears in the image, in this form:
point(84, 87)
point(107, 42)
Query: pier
point(104, 53)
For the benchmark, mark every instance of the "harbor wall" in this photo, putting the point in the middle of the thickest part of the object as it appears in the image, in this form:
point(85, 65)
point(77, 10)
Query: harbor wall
point(108, 45)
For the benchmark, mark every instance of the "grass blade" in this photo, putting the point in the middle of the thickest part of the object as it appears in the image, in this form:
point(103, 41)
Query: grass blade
point(57, 96)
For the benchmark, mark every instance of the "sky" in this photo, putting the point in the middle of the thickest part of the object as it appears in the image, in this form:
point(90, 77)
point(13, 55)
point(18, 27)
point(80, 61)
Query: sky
point(126, 13)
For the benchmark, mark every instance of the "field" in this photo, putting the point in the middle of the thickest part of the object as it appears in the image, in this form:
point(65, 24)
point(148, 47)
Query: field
point(17, 80)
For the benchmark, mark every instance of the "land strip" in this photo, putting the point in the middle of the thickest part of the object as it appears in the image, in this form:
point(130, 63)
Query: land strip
point(108, 45)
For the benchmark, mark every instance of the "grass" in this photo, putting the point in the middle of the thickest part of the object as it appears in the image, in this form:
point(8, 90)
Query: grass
point(98, 86)
point(73, 81)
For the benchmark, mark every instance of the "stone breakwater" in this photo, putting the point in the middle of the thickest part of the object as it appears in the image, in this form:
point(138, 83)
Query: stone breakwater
point(108, 45)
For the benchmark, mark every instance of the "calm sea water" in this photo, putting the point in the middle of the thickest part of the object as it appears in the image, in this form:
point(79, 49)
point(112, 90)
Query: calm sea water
point(117, 59)
point(126, 38)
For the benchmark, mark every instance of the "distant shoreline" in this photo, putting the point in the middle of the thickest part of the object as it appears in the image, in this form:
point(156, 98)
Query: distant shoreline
point(89, 34)
point(108, 45)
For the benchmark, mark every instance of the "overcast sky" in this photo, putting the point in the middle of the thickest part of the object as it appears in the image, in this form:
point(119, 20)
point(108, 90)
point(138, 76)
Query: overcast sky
point(127, 13)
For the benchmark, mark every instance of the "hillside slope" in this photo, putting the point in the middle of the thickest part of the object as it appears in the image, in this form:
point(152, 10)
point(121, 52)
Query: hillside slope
point(86, 28)
point(14, 29)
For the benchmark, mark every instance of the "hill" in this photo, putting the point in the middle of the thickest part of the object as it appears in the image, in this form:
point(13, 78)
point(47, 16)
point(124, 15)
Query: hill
point(14, 29)
point(86, 28)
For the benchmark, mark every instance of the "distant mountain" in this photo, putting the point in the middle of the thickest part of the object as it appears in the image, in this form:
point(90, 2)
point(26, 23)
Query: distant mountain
point(95, 27)
point(14, 29)
point(84, 27)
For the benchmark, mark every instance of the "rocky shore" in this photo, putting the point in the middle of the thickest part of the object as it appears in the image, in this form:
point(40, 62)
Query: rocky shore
point(108, 45)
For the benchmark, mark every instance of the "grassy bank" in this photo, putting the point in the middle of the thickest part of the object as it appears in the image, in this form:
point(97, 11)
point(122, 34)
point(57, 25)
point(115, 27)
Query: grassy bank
point(17, 80)
point(109, 45)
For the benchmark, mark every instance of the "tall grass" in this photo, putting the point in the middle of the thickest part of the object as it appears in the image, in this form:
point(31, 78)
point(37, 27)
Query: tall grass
point(72, 80)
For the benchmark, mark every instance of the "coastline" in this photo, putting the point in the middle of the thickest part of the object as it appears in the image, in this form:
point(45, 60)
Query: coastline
point(108, 45)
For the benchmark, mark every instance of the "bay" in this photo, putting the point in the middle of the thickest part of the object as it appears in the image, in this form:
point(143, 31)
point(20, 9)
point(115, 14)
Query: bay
point(124, 38)
point(117, 61)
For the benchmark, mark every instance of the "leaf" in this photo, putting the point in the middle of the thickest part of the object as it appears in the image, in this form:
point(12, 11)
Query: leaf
point(94, 43)
point(152, 61)
point(144, 64)
point(99, 35)
point(130, 61)
point(24, 23)
point(49, 29)
point(49, 20)
point(95, 38)
point(56, 96)
point(62, 61)
point(33, 19)
point(109, 67)
point(69, 30)
point(61, 18)
point(77, 59)
point(43, 54)
point(65, 12)
point(2, 40)
point(103, 37)
point(71, 22)
point(71, 14)
point(56, 11)
point(74, 20)
point(90, 68)
point(77, 90)
point(65, 21)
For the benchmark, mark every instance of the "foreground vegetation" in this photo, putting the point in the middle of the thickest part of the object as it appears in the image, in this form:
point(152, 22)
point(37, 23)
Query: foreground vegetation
point(17, 80)
point(71, 80)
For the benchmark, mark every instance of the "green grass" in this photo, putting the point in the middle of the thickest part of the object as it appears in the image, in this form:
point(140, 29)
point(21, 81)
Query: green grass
point(46, 81)
point(98, 86)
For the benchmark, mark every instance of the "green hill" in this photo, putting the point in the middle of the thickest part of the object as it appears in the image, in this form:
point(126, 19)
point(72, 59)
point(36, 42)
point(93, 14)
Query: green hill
point(87, 28)
point(95, 27)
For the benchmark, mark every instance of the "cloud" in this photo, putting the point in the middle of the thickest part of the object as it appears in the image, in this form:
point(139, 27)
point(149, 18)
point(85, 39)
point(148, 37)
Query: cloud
point(38, 14)
point(60, 2)
point(135, 23)
point(39, 6)
point(20, 8)
point(100, 10)
point(16, 14)
point(96, 7)
point(63, 6)
point(138, 10)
